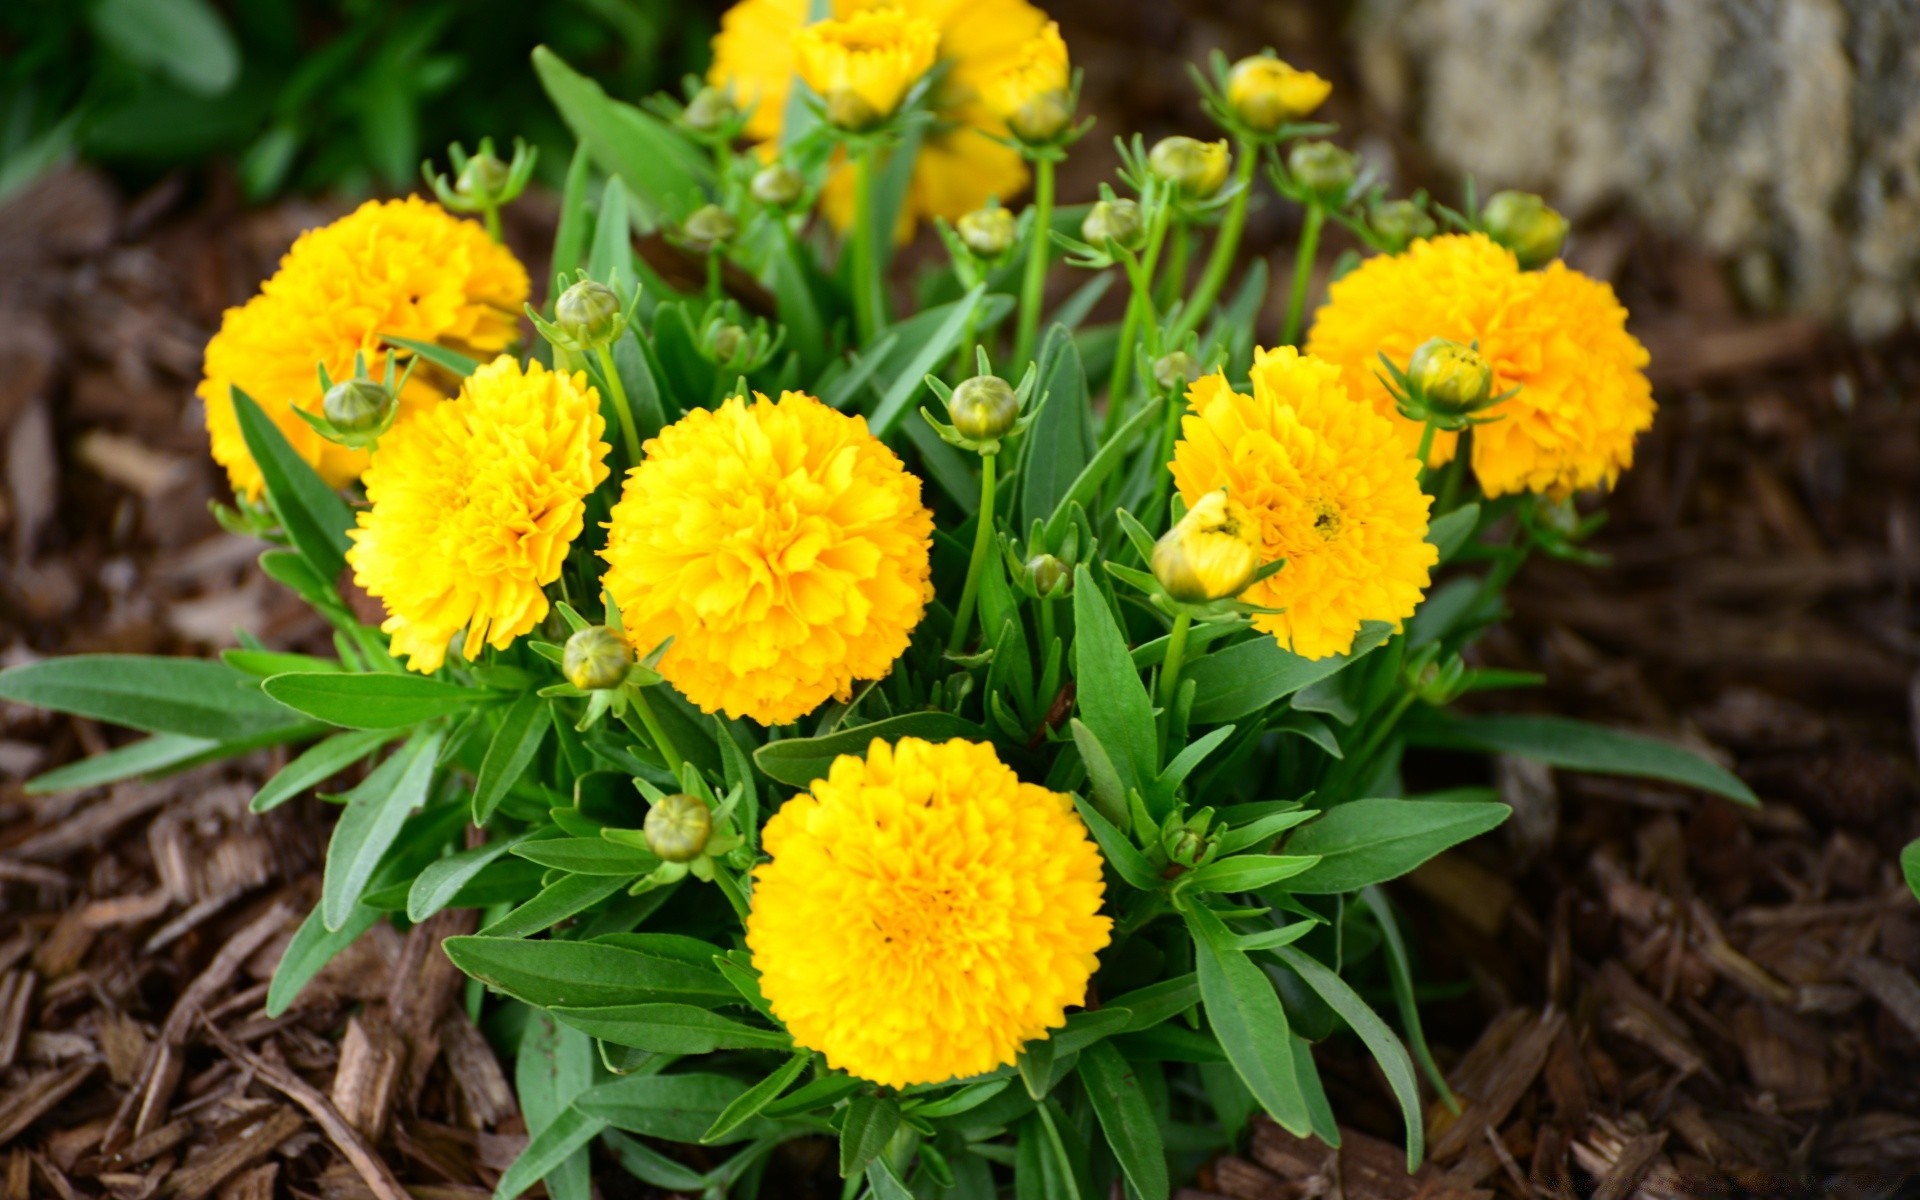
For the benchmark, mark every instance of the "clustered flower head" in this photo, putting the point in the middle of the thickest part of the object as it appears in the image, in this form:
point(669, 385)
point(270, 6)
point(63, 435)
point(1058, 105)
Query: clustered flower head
point(1555, 334)
point(925, 913)
point(400, 268)
point(1330, 488)
point(781, 546)
point(474, 502)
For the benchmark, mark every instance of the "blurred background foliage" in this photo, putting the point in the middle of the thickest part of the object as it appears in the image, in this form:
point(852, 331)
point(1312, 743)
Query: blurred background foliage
point(307, 95)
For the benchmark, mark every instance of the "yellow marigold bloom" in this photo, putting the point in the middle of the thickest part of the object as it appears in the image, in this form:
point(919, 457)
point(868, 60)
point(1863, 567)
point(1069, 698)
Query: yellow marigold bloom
point(402, 268)
point(474, 503)
point(957, 170)
point(863, 66)
point(1331, 488)
point(781, 546)
point(925, 913)
point(1032, 94)
point(1557, 335)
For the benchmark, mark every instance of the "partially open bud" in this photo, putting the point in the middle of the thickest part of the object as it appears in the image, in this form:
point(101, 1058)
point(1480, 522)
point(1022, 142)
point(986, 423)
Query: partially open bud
point(357, 405)
point(1175, 370)
point(708, 228)
point(776, 186)
point(726, 342)
point(1265, 93)
point(984, 408)
point(1042, 117)
point(589, 313)
point(1195, 168)
point(711, 110)
point(1400, 223)
point(484, 176)
point(1210, 554)
point(987, 232)
point(596, 659)
point(1522, 222)
point(1046, 573)
point(1112, 220)
point(677, 827)
point(1326, 170)
point(1450, 377)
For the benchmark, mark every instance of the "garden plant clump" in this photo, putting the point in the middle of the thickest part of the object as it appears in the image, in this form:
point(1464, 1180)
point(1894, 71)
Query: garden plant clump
point(955, 729)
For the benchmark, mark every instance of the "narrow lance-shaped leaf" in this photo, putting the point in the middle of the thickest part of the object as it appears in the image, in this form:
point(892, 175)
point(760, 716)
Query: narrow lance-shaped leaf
point(375, 811)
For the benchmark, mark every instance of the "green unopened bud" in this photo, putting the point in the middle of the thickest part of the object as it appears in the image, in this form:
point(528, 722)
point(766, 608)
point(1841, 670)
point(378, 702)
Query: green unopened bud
point(589, 313)
point(357, 405)
point(1175, 370)
point(984, 408)
point(1326, 170)
point(484, 176)
point(726, 343)
point(849, 110)
point(987, 232)
point(1042, 118)
point(1400, 223)
point(776, 186)
point(1195, 168)
point(711, 110)
point(1046, 573)
point(596, 659)
point(1522, 222)
point(1117, 221)
point(1450, 377)
point(708, 228)
point(1186, 845)
point(677, 827)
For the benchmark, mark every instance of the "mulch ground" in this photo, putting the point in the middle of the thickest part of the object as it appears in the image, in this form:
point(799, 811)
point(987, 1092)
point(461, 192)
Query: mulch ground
point(1652, 994)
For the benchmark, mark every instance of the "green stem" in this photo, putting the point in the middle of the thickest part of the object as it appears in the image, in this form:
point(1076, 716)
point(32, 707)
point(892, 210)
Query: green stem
point(1426, 445)
point(1174, 278)
point(976, 566)
point(661, 741)
point(1139, 307)
point(715, 273)
point(1225, 245)
point(491, 214)
point(1361, 758)
point(629, 432)
point(1450, 482)
point(1039, 250)
point(1303, 272)
point(1170, 669)
point(866, 270)
point(1046, 628)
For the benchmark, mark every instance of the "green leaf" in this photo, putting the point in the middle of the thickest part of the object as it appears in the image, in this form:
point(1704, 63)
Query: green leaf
point(1112, 700)
point(869, 1125)
point(1910, 866)
point(377, 700)
point(317, 764)
point(1126, 1118)
point(1057, 443)
point(1119, 851)
point(548, 1150)
point(1450, 532)
point(312, 948)
point(1247, 872)
point(928, 339)
point(610, 258)
point(184, 40)
point(522, 728)
point(757, 1097)
point(1248, 676)
point(570, 238)
point(1400, 977)
point(1380, 1041)
point(671, 1029)
point(583, 975)
point(1157, 1002)
point(1262, 830)
point(1370, 841)
point(314, 516)
point(659, 165)
point(1105, 460)
point(189, 697)
point(144, 757)
point(676, 1108)
point(376, 809)
point(1246, 1015)
point(800, 761)
point(563, 898)
point(449, 360)
point(1578, 746)
point(883, 1183)
point(589, 856)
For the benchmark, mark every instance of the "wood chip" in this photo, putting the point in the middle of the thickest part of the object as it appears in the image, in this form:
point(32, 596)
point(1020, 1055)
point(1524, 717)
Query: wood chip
point(1894, 988)
point(93, 825)
point(26, 1103)
point(16, 995)
point(364, 1087)
point(233, 1152)
point(1491, 1079)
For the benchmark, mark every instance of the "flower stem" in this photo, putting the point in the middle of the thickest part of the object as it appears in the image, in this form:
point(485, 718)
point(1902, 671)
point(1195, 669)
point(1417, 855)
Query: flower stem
point(1174, 277)
point(1139, 308)
point(1303, 272)
point(866, 267)
point(1426, 445)
point(982, 546)
point(714, 275)
point(491, 214)
point(629, 433)
point(1170, 669)
point(1225, 244)
point(1450, 482)
point(1039, 250)
point(656, 731)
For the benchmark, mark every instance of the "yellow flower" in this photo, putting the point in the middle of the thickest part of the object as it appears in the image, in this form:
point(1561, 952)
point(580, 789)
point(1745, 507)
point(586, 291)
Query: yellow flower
point(1557, 335)
point(1034, 94)
point(402, 268)
point(1196, 168)
point(1266, 93)
point(474, 503)
point(925, 913)
point(1210, 554)
point(1330, 488)
point(781, 546)
point(863, 66)
point(957, 170)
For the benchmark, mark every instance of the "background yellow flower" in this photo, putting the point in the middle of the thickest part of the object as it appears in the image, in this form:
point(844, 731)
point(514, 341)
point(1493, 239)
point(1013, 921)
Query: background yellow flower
point(863, 66)
point(781, 546)
point(474, 503)
point(1330, 486)
point(925, 912)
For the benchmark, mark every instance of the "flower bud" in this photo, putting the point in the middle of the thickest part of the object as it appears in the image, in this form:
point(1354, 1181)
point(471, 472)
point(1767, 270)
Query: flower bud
point(357, 405)
point(1450, 377)
point(777, 186)
point(1210, 554)
point(849, 110)
point(987, 232)
point(1324, 169)
point(708, 228)
point(677, 827)
point(1113, 220)
point(711, 110)
point(984, 408)
point(1042, 117)
point(483, 176)
point(726, 342)
point(1045, 573)
point(596, 659)
point(1175, 370)
point(1265, 93)
point(589, 313)
point(1195, 168)
point(1191, 842)
point(1522, 222)
point(1400, 223)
